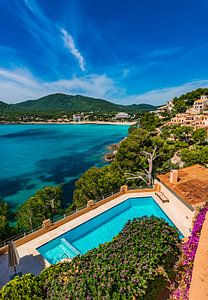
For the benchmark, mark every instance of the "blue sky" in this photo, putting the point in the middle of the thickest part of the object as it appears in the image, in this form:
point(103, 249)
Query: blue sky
point(135, 51)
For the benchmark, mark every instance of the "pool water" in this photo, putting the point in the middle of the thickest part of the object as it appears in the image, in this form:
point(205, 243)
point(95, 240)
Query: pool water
point(100, 229)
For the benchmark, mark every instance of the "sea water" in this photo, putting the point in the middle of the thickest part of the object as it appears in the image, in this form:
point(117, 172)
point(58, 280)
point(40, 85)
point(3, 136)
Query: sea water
point(34, 156)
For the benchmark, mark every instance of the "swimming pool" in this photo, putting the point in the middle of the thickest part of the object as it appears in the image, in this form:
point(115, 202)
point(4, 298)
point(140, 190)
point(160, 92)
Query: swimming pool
point(100, 229)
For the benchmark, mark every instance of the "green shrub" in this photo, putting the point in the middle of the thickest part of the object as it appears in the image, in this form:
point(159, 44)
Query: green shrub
point(22, 288)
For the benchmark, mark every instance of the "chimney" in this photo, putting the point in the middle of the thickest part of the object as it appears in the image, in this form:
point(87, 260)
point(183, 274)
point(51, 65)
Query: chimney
point(173, 176)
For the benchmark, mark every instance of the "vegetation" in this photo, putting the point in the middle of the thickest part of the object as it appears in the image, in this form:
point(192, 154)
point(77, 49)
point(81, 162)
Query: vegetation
point(195, 155)
point(149, 121)
point(43, 205)
point(128, 167)
point(130, 158)
point(137, 264)
point(185, 101)
point(55, 105)
point(4, 220)
point(184, 267)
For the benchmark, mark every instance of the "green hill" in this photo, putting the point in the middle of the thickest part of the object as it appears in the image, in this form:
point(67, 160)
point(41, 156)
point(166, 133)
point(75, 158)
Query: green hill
point(69, 103)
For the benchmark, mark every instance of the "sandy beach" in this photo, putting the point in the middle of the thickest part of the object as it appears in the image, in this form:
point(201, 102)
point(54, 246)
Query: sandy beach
point(73, 123)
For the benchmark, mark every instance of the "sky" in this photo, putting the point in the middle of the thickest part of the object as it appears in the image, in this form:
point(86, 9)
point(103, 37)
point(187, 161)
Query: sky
point(135, 51)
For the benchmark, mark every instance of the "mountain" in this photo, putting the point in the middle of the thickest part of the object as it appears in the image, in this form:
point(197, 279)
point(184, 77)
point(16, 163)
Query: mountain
point(69, 103)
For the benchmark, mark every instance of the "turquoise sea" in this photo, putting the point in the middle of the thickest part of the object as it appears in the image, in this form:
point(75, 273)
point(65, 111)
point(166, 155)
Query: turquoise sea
point(33, 156)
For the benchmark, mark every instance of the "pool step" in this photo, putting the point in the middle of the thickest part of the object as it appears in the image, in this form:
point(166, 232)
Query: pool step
point(71, 249)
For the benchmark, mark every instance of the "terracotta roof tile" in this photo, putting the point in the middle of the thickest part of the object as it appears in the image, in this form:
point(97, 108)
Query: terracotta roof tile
point(192, 185)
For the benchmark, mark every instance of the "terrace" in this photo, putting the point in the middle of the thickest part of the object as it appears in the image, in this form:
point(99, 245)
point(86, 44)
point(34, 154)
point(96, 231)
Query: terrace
point(31, 260)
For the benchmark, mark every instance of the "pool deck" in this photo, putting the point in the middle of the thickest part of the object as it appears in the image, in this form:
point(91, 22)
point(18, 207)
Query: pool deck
point(32, 262)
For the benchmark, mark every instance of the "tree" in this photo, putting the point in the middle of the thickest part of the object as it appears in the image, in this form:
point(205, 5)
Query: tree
point(200, 135)
point(96, 183)
point(183, 133)
point(43, 205)
point(149, 121)
point(147, 176)
point(179, 105)
point(4, 220)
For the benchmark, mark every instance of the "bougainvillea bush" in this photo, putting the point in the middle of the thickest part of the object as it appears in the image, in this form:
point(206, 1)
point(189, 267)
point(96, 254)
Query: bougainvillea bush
point(137, 264)
point(184, 267)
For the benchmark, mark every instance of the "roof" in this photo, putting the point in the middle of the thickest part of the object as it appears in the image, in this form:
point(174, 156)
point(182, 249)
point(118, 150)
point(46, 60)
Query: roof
point(192, 185)
point(201, 101)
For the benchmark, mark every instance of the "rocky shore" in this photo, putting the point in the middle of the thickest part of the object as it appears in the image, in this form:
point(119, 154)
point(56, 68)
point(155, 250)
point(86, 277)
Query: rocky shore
point(109, 157)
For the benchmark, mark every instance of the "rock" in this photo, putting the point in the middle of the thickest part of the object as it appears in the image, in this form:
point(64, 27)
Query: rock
point(109, 157)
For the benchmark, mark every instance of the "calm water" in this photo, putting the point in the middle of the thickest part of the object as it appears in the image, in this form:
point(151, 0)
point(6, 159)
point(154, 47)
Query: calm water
point(100, 229)
point(33, 156)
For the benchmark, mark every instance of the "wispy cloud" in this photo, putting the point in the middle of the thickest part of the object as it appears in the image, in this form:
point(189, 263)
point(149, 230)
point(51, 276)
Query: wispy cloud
point(163, 52)
point(19, 84)
point(70, 44)
point(160, 96)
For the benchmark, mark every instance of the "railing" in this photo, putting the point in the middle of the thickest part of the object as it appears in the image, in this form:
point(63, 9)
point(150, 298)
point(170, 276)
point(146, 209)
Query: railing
point(18, 236)
point(139, 187)
point(56, 219)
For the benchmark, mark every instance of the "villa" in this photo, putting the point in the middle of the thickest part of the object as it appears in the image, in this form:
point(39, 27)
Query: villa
point(201, 104)
point(77, 117)
point(121, 115)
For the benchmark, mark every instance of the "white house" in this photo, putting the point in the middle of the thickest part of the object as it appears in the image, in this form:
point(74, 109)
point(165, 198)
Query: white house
point(122, 115)
point(77, 117)
point(201, 104)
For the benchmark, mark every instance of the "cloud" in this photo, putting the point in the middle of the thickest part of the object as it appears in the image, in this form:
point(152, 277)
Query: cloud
point(160, 96)
point(125, 73)
point(19, 84)
point(163, 52)
point(70, 44)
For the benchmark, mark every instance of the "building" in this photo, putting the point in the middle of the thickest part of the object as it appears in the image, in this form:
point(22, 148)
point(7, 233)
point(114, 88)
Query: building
point(186, 189)
point(189, 184)
point(193, 120)
point(182, 119)
point(201, 104)
point(121, 115)
point(77, 117)
point(170, 106)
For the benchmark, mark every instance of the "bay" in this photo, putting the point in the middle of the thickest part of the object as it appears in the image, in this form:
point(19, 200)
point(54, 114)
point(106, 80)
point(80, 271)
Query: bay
point(34, 156)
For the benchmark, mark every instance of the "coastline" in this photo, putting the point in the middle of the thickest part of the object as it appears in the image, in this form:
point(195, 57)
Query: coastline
point(69, 123)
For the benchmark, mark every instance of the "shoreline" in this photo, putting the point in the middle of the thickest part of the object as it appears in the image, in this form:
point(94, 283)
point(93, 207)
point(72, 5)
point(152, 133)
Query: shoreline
point(69, 123)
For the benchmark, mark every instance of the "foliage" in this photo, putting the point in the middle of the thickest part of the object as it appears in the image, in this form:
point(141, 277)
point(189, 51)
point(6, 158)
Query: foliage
point(132, 128)
point(126, 268)
point(63, 103)
point(4, 220)
point(43, 205)
point(185, 101)
point(137, 264)
point(149, 121)
point(185, 265)
point(200, 135)
point(130, 158)
point(25, 288)
point(195, 155)
point(96, 183)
